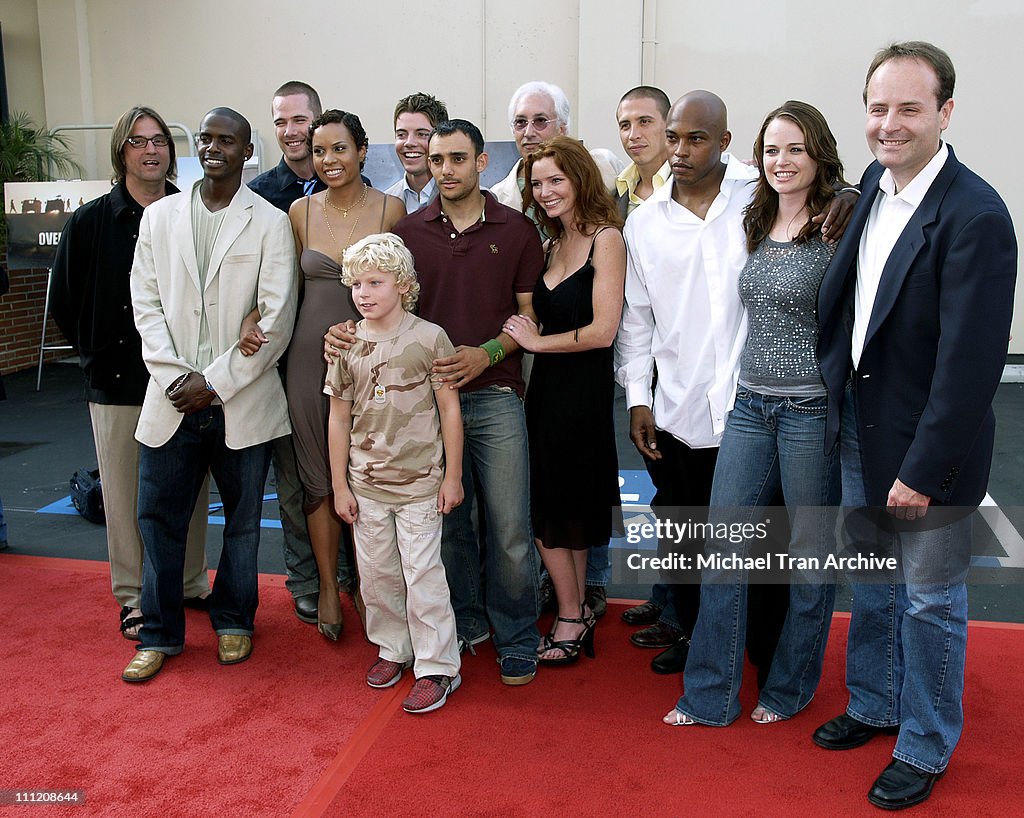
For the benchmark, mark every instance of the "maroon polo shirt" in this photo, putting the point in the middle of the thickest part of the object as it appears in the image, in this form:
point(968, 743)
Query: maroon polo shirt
point(469, 280)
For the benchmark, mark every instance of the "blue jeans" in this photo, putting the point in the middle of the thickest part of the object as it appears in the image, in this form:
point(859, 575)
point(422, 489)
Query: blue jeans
point(495, 452)
point(3, 523)
point(599, 565)
point(907, 645)
point(770, 443)
point(662, 596)
point(169, 480)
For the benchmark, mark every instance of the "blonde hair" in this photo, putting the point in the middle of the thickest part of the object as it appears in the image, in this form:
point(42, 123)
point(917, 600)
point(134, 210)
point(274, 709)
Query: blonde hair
point(387, 253)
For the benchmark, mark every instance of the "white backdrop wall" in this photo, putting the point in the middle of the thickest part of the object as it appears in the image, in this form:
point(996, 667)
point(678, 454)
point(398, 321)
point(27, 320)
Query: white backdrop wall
point(88, 60)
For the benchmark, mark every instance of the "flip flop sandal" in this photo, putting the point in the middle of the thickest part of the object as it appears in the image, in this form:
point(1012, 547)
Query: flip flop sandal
point(762, 715)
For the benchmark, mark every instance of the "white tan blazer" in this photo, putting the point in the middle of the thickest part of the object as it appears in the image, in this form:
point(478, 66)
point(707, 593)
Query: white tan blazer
point(253, 263)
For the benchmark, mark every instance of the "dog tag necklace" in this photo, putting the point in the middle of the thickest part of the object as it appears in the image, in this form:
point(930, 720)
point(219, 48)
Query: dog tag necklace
point(380, 393)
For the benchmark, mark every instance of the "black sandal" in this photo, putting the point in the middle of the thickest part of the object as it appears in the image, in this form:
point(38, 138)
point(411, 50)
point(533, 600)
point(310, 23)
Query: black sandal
point(571, 648)
point(130, 623)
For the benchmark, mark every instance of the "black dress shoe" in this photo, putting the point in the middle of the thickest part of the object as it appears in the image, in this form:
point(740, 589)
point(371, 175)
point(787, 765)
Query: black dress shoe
point(902, 785)
point(658, 635)
point(845, 732)
point(672, 660)
point(646, 614)
point(306, 608)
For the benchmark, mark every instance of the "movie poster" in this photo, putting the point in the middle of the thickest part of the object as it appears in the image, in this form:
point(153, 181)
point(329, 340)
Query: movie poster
point(36, 213)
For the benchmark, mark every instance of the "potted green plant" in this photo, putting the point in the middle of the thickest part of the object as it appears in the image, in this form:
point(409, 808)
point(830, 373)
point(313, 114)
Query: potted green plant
point(31, 154)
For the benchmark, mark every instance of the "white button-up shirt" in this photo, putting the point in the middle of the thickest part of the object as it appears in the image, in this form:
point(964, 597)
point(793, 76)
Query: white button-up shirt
point(412, 200)
point(682, 309)
point(890, 213)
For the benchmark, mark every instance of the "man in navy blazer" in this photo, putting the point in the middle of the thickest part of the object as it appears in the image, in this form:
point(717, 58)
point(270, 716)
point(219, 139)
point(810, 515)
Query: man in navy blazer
point(914, 324)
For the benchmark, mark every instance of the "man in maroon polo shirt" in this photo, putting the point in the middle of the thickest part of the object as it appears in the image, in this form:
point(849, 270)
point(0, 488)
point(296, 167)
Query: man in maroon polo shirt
point(478, 262)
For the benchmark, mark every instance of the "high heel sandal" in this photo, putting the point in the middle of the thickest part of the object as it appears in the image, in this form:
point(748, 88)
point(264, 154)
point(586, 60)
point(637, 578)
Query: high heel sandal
point(332, 630)
point(571, 648)
point(548, 639)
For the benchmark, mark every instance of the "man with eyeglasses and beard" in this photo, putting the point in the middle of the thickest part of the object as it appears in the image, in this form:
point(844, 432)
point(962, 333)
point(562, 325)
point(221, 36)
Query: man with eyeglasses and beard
point(91, 302)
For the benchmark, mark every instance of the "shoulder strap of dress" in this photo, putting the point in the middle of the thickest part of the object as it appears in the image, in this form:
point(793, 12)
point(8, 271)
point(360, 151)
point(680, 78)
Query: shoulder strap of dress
point(305, 238)
point(590, 256)
point(383, 208)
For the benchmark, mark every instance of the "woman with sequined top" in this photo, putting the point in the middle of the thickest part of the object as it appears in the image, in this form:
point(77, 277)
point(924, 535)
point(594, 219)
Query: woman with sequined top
point(773, 439)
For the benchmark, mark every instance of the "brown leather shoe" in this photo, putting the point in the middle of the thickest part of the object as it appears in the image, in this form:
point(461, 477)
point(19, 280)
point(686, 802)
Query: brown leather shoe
point(645, 614)
point(233, 648)
point(658, 635)
point(143, 666)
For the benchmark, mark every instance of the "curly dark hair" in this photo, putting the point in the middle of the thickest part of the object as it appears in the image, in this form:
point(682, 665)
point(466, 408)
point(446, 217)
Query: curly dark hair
point(333, 116)
point(760, 214)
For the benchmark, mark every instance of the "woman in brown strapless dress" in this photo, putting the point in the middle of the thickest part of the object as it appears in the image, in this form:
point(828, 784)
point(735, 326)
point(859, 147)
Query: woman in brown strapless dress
point(325, 224)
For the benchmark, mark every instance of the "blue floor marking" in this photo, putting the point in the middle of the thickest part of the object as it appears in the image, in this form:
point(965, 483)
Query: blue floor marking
point(635, 489)
point(65, 506)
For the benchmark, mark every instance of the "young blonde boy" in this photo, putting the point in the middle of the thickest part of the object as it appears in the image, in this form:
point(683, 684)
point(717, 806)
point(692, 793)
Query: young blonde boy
point(395, 440)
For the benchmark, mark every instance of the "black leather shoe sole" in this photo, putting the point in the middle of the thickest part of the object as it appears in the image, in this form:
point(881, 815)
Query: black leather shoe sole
point(673, 660)
point(846, 733)
point(306, 608)
point(658, 635)
point(902, 785)
point(646, 614)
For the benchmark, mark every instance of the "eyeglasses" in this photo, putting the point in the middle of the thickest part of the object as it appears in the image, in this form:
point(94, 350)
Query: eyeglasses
point(521, 123)
point(139, 142)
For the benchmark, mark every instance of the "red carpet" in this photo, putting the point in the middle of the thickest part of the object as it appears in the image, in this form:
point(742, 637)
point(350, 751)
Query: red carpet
point(295, 731)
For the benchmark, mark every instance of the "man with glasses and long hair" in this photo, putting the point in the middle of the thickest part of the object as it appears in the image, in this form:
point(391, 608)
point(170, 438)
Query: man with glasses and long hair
point(91, 303)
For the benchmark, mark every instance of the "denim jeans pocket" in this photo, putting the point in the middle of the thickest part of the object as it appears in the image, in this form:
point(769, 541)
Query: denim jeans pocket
point(812, 405)
point(503, 390)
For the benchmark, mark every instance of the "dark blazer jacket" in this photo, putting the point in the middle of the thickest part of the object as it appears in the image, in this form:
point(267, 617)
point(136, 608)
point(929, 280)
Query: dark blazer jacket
point(936, 343)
